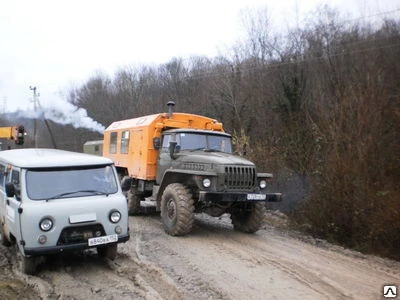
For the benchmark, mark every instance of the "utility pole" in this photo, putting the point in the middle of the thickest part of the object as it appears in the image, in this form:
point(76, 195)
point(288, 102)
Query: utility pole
point(35, 100)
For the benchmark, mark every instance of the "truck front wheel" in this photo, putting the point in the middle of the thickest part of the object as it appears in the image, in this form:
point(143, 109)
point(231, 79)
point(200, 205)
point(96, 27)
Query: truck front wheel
point(248, 217)
point(177, 209)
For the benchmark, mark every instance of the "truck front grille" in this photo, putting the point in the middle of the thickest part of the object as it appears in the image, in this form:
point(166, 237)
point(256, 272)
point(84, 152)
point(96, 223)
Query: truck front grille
point(240, 178)
point(76, 235)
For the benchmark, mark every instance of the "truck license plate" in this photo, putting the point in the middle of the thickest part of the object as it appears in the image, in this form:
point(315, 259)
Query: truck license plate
point(256, 196)
point(103, 240)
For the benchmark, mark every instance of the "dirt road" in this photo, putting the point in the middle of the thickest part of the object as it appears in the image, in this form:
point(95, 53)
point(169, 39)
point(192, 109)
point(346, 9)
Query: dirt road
point(213, 262)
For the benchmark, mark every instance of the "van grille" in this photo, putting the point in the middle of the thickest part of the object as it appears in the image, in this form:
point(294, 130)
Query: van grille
point(240, 178)
point(76, 235)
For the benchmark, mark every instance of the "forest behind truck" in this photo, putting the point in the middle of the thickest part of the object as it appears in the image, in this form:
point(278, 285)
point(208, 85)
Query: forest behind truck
point(318, 106)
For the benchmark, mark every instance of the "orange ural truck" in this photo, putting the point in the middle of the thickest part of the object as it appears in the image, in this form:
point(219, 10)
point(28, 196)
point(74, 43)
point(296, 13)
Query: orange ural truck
point(184, 162)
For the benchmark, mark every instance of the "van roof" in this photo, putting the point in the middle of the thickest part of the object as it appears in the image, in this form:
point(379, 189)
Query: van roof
point(45, 158)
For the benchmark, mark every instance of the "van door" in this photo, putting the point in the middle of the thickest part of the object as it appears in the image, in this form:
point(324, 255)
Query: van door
point(14, 206)
point(3, 197)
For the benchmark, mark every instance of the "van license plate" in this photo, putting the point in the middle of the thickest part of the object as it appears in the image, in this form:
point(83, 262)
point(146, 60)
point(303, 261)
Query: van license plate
point(103, 240)
point(256, 196)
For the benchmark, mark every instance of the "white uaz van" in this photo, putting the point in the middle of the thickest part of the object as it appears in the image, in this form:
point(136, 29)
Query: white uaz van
point(53, 201)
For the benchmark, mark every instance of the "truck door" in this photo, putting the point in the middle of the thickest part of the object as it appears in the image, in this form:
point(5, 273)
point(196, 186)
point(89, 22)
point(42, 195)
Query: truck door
point(13, 205)
point(164, 159)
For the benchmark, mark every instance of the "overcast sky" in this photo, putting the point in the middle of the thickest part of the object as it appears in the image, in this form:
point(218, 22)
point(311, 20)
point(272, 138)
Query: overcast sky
point(53, 44)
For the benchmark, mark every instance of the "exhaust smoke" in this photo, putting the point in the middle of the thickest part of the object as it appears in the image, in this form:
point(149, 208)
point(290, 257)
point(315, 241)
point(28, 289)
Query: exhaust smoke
point(64, 114)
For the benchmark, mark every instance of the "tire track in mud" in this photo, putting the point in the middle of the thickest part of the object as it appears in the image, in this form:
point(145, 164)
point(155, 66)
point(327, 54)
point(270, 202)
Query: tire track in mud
point(330, 270)
point(269, 263)
point(87, 276)
point(302, 275)
point(150, 241)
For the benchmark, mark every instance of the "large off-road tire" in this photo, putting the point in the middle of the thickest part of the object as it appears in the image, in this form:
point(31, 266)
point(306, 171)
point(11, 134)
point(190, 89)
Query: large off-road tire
point(133, 202)
point(109, 251)
point(177, 209)
point(4, 240)
point(248, 217)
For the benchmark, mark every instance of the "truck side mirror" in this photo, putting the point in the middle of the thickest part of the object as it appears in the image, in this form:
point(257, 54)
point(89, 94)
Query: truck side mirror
point(157, 143)
point(172, 146)
point(10, 190)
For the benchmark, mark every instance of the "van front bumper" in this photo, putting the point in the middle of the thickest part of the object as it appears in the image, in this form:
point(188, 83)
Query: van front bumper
point(37, 251)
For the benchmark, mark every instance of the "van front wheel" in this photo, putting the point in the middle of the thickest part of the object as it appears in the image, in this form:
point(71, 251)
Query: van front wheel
point(27, 264)
point(4, 240)
point(109, 251)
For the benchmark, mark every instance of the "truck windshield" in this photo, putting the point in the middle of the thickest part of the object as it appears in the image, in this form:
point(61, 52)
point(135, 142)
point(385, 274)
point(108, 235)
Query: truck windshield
point(55, 183)
point(208, 142)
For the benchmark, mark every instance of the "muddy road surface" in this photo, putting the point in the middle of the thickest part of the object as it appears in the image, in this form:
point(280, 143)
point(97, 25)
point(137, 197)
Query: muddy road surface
point(213, 262)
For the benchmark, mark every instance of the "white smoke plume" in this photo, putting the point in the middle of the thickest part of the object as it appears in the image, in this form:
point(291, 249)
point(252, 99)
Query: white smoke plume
point(66, 114)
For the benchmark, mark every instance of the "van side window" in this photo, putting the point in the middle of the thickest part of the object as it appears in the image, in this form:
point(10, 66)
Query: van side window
point(125, 142)
point(113, 142)
point(15, 177)
point(2, 175)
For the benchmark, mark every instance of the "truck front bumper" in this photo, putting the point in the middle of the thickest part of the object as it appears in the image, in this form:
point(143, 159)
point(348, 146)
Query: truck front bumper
point(206, 196)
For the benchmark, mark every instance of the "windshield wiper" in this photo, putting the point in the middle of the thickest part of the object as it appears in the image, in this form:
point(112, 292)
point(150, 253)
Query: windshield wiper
point(75, 192)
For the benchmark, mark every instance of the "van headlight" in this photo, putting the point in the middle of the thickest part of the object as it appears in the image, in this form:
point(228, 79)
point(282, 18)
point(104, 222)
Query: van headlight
point(46, 224)
point(115, 216)
point(206, 182)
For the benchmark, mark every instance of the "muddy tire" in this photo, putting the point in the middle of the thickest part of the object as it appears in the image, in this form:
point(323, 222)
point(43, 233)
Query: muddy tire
point(109, 251)
point(4, 240)
point(133, 202)
point(177, 209)
point(248, 217)
point(27, 264)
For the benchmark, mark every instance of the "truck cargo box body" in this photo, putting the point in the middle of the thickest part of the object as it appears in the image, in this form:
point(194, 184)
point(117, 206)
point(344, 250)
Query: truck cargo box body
point(129, 143)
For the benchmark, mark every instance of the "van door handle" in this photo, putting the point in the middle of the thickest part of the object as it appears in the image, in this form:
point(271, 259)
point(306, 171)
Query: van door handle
point(8, 202)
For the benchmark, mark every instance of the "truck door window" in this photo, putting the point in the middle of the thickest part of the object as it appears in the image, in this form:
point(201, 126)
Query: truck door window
point(113, 142)
point(165, 143)
point(125, 142)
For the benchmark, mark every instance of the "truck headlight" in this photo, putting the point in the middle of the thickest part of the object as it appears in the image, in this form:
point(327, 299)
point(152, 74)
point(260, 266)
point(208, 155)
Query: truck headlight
point(206, 182)
point(115, 216)
point(262, 184)
point(46, 224)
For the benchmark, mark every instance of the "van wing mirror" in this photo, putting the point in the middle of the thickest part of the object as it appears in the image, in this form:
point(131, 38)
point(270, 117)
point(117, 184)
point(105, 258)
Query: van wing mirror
point(10, 189)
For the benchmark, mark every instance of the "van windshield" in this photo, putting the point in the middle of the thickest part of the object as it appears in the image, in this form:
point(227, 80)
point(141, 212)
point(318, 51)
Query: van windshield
point(56, 183)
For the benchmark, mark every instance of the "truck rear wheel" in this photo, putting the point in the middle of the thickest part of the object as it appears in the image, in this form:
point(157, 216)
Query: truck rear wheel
point(248, 217)
point(177, 209)
point(133, 202)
